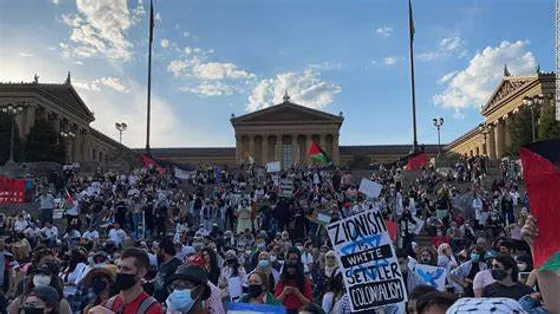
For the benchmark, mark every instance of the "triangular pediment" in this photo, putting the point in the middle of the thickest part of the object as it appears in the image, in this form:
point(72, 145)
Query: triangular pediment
point(507, 87)
point(67, 97)
point(285, 113)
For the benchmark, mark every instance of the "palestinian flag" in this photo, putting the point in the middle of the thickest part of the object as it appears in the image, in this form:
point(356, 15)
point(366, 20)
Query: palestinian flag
point(148, 162)
point(316, 153)
point(416, 161)
point(541, 174)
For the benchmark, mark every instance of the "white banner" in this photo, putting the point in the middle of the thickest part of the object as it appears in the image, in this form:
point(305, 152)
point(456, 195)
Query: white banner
point(432, 275)
point(370, 267)
point(182, 174)
point(370, 188)
point(273, 166)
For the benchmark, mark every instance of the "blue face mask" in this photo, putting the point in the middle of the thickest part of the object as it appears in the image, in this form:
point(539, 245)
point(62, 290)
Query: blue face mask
point(180, 300)
point(264, 263)
point(475, 257)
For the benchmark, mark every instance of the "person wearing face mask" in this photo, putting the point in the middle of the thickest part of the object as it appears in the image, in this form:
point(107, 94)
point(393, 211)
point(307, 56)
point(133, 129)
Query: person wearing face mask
point(293, 290)
point(258, 290)
point(330, 263)
point(260, 244)
point(96, 288)
point(41, 300)
point(446, 258)
point(232, 278)
point(504, 271)
point(190, 290)
point(131, 297)
point(463, 275)
point(265, 266)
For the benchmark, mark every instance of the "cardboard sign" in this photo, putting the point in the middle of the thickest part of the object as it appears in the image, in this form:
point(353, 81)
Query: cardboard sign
point(419, 225)
point(273, 166)
point(370, 188)
point(369, 264)
point(432, 275)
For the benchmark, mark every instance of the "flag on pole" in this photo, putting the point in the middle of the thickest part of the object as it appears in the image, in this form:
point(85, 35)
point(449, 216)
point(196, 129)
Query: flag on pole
point(411, 21)
point(416, 161)
point(152, 24)
point(541, 174)
point(316, 153)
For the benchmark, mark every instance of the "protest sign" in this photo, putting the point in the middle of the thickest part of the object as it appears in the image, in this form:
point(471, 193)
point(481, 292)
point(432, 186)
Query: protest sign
point(419, 225)
point(273, 166)
point(370, 188)
point(286, 185)
point(247, 308)
point(370, 267)
point(432, 276)
point(323, 219)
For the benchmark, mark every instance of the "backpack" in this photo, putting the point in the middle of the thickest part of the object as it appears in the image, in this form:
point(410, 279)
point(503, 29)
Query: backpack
point(144, 306)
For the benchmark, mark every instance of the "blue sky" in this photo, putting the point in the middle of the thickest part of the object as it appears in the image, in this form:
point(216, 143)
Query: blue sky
point(217, 57)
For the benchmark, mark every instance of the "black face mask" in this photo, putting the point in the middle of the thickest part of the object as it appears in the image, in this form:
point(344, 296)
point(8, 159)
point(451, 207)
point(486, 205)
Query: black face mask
point(498, 274)
point(98, 285)
point(255, 290)
point(125, 281)
point(32, 310)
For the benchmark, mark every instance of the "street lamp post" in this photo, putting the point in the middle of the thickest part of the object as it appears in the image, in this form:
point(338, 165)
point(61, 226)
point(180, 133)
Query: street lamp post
point(438, 123)
point(12, 111)
point(121, 127)
point(68, 136)
point(532, 102)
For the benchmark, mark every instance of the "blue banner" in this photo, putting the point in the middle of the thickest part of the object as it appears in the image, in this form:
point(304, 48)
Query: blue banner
point(246, 308)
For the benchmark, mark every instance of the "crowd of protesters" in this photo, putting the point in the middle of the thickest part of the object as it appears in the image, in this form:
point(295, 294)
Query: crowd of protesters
point(148, 242)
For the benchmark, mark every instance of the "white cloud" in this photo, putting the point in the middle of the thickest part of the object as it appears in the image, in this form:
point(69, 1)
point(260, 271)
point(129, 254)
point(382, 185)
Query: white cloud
point(429, 56)
point(164, 43)
point(188, 50)
point(157, 17)
point(55, 2)
point(325, 66)
point(451, 43)
point(389, 60)
point(447, 77)
point(138, 13)
point(209, 89)
point(384, 31)
point(95, 85)
point(373, 62)
point(100, 29)
point(177, 67)
point(25, 54)
point(471, 87)
point(458, 114)
point(186, 34)
point(78, 62)
point(306, 88)
point(218, 71)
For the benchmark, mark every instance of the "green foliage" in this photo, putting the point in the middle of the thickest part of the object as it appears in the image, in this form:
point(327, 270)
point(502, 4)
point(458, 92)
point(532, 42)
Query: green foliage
point(44, 143)
point(5, 135)
point(359, 161)
point(549, 128)
point(520, 129)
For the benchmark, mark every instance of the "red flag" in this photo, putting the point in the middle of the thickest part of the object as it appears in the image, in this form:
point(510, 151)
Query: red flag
point(392, 229)
point(417, 161)
point(541, 174)
point(150, 162)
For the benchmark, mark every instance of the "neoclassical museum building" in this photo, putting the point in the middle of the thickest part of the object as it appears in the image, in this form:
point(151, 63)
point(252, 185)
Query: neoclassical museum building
point(492, 137)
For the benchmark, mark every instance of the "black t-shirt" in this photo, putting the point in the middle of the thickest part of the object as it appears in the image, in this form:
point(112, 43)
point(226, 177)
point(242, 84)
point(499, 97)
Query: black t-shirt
point(498, 290)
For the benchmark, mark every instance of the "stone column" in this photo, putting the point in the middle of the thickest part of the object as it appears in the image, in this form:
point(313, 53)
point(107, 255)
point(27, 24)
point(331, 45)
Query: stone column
point(252, 146)
point(490, 144)
point(507, 134)
point(76, 145)
point(306, 143)
point(238, 148)
point(30, 118)
point(323, 141)
point(499, 138)
point(295, 149)
point(264, 150)
point(335, 148)
point(278, 148)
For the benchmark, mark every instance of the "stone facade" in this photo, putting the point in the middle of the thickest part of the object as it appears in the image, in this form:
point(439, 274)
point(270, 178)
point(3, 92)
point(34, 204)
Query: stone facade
point(61, 105)
point(284, 133)
point(492, 138)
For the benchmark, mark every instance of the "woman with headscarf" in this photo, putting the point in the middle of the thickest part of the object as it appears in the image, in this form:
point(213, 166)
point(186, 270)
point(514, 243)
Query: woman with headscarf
point(335, 291)
point(265, 265)
point(232, 278)
point(446, 258)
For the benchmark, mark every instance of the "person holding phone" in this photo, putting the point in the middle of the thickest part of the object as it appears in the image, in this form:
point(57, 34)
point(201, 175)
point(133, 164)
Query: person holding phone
point(293, 290)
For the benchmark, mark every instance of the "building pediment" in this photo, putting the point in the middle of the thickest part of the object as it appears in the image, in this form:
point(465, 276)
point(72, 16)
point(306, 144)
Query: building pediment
point(286, 112)
point(508, 87)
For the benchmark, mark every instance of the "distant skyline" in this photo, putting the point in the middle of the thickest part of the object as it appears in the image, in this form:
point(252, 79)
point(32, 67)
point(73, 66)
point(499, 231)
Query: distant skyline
point(213, 58)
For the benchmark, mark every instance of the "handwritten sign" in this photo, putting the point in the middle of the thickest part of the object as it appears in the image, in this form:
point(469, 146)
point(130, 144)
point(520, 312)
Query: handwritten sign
point(370, 188)
point(273, 166)
point(432, 275)
point(371, 271)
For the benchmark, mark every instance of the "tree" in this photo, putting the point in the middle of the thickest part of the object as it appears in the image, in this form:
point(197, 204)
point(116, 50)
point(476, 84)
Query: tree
point(520, 129)
point(5, 138)
point(549, 128)
point(359, 161)
point(44, 143)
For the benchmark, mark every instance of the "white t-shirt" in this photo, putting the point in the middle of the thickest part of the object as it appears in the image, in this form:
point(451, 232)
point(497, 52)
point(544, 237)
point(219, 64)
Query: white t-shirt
point(117, 236)
point(482, 279)
point(20, 225)
point(50, 232)
point(32, 232)
point(92, 236)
